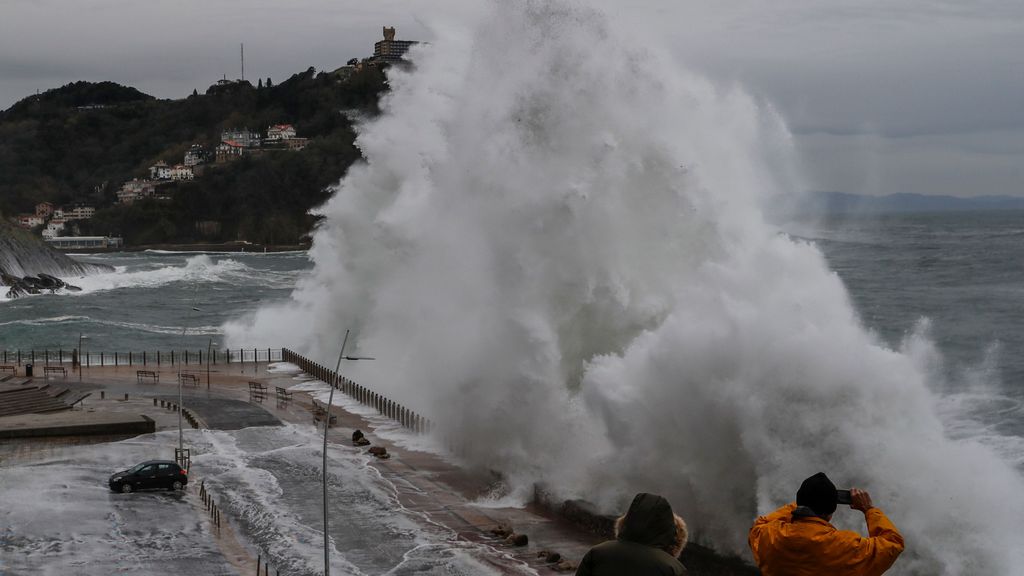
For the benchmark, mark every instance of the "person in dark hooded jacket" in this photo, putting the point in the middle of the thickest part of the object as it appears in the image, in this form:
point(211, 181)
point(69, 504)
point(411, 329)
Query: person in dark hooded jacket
point(648, 541)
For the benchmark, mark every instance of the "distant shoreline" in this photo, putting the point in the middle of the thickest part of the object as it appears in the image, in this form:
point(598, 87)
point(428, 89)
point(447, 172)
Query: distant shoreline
point(195, 247)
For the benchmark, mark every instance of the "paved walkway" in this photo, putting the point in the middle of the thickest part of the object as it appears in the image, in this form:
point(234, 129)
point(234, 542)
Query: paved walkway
point(423, 482)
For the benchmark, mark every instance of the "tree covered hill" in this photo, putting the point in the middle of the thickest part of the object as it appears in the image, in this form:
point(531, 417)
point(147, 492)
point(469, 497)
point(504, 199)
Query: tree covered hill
point(80, 142)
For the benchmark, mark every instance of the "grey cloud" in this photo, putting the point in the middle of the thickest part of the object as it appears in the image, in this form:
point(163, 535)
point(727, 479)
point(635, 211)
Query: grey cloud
point(936, 85)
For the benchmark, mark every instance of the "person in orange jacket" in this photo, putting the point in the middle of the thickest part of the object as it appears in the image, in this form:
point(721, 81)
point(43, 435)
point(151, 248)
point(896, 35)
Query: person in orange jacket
point(799, 540)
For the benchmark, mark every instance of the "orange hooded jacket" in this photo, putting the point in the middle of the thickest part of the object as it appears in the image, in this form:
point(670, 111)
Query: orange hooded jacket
point(787, 546)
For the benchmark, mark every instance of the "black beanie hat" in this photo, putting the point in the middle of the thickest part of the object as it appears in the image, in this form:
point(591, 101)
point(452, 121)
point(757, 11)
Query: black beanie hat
point(817, 493)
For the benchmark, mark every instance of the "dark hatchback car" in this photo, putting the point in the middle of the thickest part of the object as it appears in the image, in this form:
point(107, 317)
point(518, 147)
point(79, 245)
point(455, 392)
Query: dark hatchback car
point(153, 474)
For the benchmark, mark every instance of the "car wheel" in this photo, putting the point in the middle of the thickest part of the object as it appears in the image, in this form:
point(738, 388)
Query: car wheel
point(126, 488)
point(176, 485)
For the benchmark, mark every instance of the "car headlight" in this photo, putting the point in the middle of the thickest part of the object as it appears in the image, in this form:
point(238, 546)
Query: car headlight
point(115, 479)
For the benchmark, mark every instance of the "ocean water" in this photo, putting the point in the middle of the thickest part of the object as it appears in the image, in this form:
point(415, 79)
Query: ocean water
point(956, 276)
point(961, 273)
point(954, 280)
point(147, 303)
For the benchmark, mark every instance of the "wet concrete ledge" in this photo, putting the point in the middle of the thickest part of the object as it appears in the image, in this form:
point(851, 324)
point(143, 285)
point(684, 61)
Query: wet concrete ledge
point(74, 424)
point(699, 560)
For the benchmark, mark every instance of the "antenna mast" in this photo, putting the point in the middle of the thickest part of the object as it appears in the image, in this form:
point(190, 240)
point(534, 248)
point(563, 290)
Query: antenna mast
point(243, 62)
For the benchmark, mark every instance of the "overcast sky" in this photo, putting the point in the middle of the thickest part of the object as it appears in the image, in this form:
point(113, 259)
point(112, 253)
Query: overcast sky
point(884, 96)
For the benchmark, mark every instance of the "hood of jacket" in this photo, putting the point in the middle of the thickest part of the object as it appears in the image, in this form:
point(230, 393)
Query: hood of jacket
point(649, 521)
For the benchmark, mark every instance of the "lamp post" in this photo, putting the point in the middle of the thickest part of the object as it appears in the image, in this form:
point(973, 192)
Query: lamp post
point(181, 440)
point(209, 356)
point(327, 427)
point(80, 365)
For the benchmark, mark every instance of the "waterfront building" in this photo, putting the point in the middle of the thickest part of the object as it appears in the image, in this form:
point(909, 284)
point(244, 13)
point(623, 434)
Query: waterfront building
point(84, 242)
point(389, 49)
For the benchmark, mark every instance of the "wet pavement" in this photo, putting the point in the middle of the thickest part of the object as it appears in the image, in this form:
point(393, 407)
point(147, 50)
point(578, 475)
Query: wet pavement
point(412, 514)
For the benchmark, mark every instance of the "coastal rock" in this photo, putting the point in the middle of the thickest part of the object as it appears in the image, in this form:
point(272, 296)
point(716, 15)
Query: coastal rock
point(502, 530)
point(33, 285)
point(28, 265)
point(380, 452)
point(518, 539)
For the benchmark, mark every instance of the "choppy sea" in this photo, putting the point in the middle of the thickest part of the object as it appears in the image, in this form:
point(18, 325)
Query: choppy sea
point(958, 276)
point(961, 273)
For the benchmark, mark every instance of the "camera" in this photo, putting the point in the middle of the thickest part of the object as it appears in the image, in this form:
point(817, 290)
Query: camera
point(843, 497)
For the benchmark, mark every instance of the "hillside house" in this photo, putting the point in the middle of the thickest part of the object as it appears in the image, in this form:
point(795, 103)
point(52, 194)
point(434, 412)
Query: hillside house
point(196, 155)
point(160, 171)
point(30, 221)
point(44, 209)
point(279, 132)
point(181, 172)
point(78, 213)
point(296, 143)
point(53, 228)
point(229, 150)
point(244, 137)
point(135, 189)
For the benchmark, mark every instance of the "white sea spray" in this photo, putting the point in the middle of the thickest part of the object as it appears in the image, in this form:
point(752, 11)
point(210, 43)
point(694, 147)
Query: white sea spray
point(557, 250)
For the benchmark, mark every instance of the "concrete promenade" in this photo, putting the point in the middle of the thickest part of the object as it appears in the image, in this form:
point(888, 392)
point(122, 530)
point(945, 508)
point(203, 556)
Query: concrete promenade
point(424, 482)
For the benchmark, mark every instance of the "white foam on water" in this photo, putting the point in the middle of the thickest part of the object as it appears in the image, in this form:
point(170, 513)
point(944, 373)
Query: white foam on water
point(268, 479)
point(58, 516)
point(557, 250)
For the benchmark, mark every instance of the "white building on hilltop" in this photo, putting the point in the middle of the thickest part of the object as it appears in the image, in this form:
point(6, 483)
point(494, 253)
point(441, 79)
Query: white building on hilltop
point(280, 132)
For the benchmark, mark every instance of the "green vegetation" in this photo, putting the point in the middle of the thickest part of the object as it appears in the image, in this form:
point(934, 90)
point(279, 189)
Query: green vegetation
point(79, 143)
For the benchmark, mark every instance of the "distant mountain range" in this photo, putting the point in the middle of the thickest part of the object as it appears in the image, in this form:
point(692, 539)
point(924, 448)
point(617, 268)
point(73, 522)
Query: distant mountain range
point(843, 202)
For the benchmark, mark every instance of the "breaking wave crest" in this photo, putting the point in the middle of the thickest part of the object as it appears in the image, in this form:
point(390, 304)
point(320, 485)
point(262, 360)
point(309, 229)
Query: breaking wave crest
point(557, 250)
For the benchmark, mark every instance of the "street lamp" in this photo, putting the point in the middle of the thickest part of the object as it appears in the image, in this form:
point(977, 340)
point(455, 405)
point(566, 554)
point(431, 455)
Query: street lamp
point(327, 427)
point(209, 356)
point(80, 365)
point(181, 441)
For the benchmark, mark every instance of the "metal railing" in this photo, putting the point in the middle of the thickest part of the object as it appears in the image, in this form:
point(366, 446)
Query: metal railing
point(143, 358)
point(404, 416)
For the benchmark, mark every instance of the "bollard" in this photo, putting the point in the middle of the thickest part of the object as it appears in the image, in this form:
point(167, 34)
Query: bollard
point(125, 395)
point(154, 401)
point(259, 559)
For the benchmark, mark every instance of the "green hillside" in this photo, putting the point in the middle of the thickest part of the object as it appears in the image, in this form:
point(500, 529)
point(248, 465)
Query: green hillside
point(80, 142)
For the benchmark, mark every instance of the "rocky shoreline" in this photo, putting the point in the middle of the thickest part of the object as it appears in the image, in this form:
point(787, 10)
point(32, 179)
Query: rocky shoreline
point(30, 266)
point(34, 285)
